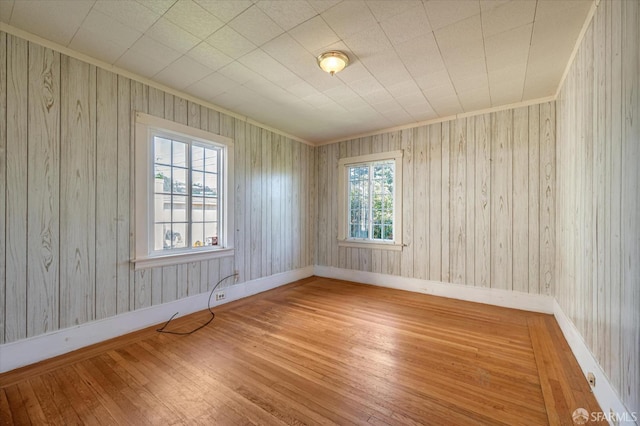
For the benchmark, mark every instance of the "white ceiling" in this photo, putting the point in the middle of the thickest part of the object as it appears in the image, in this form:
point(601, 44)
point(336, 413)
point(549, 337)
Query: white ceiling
point(411, 60)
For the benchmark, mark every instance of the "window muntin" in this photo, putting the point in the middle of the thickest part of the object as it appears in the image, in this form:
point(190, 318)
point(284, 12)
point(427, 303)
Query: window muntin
point(369, 200)
point(183, 196)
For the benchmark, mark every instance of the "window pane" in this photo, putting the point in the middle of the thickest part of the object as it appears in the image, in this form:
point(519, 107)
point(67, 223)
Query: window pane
point(197, 235)
point(197, 183)
point(211, 234)
point(162, 208)
point(197, 157)
point(211, 185)
point(211, 160)
point(179, 154)
point(179, 208)
point(179, 235)
point(197, 214)
point(162, 150)
point(162, 178)
point(179, 180)
point(159, 231)
point(210, 209)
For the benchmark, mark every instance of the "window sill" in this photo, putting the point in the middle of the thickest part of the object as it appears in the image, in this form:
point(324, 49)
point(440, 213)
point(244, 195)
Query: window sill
point(370, 245)
point(178, 258)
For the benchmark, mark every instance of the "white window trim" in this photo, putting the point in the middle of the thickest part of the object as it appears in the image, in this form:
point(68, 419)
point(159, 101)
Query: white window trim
point(144, 125)
point(343, 217)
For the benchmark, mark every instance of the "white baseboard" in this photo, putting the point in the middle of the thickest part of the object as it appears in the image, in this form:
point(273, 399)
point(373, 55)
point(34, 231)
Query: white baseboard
point(603, 391)
point(490, 296)
point(28, 351)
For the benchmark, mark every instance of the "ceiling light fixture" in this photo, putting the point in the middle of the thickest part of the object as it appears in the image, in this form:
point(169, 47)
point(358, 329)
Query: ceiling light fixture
point(333, 61)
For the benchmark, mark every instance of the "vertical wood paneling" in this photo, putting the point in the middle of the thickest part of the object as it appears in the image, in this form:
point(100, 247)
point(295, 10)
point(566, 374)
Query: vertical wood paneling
point(470, 228)
point(547, 196)
point(3, 175)
point(124, 158)
point(501, 219)
point(255, 192)
point(16, 202)
point(483, 201)
point(421, 204)
point(596, 209)
point(457, 197)
point(77, 193)
point(140, 293)
point(520, 211)
point(107, 193)
point(534, 199)
point(407, 203)
point(445, 205)
point(66, 141)
point(43, 197)
point(435, 202)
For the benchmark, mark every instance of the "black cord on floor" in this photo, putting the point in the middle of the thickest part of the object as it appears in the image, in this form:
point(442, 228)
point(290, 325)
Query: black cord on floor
point(186, 333)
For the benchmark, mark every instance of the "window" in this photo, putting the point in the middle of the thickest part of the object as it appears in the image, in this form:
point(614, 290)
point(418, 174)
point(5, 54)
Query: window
point(370, 201)
point(183, 202)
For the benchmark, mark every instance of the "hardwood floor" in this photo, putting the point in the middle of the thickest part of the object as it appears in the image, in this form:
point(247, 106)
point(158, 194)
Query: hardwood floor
point(317, 351)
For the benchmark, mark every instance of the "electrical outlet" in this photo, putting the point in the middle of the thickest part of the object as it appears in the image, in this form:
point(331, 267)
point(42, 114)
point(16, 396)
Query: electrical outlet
point(236, 277)
point(220, 295)
point(591, 378)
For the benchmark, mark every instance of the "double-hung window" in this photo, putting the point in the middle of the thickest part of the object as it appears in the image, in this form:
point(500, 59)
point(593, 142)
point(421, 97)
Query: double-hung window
point(183, 193)
point(370, 201)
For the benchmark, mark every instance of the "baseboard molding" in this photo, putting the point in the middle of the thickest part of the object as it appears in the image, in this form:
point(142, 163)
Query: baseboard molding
point(490, 296)
point(28, 351)
point(603, 391)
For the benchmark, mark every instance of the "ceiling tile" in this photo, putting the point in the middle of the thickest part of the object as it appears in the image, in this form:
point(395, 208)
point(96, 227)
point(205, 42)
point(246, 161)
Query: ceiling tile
point(486, 5)
point(169, 34)
point(368, 42)
point(210, 86)
point(443, 13)
point(385, 9)
point(549, 9)
point(508, 16)
point(322, 5)
point(182, 73)
point(461, 43)
point(509, 48)
point(192, 18)
point(301, 89)
point(407, 25)
point(237, 72)
point(230, 42)
point(287, 14)
point(130, 13)
point(158, 6)
point(349, 17)
point(54, 20)
point(314, 34)
point(225, 10)
point(209, 56)
point(107, 28)
point(291, 54)
point(255, 25)
point(263, 64)
point(6, 8)
point(140, 58)
point(93, 44)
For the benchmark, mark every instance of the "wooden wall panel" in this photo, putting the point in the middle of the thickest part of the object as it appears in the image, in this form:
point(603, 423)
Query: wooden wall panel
point(460, 220)
point(107, 201)
point(3, 175)
point(43, 240)
point(16, 202)
point(596, 208)
point(77, 193)
point(66, 143)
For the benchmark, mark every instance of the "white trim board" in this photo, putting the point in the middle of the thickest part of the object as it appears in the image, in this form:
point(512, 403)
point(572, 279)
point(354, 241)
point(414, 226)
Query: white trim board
point(491, 296)
point(28, 351)
point(603, 391)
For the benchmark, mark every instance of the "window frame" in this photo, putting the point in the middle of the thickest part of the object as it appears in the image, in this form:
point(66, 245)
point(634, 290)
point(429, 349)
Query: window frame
point(146, 128)
point(343, 197)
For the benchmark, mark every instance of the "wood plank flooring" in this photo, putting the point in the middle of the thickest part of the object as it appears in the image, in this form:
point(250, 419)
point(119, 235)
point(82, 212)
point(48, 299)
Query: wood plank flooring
point(317, 351)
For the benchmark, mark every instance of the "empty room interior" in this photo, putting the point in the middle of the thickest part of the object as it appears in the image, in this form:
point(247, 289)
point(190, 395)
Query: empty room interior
point(320, 212)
